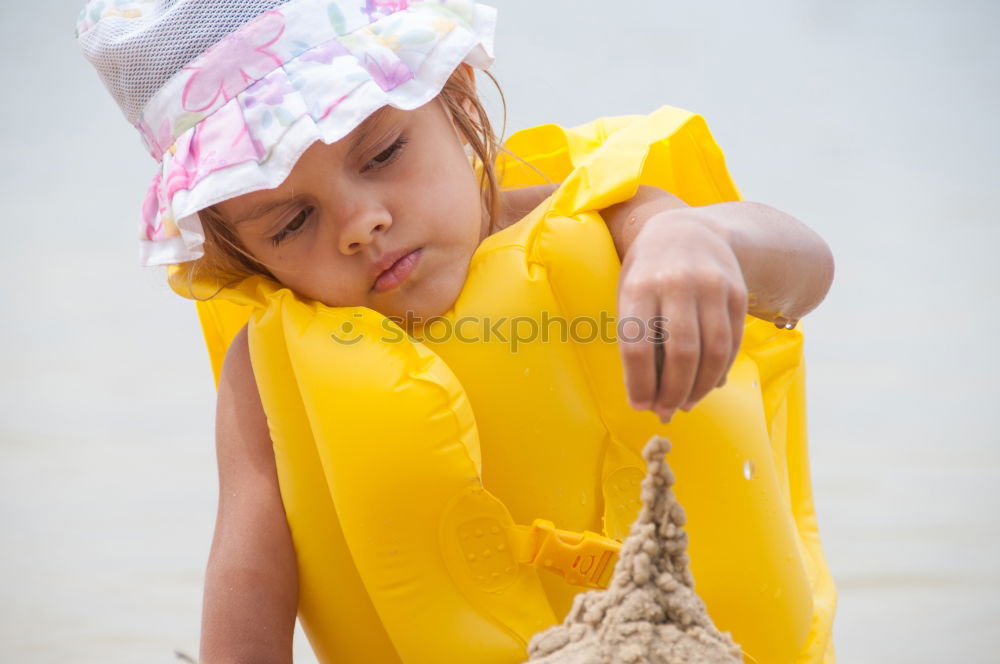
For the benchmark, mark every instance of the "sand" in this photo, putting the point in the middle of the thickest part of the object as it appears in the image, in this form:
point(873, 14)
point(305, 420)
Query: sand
point(650, 613)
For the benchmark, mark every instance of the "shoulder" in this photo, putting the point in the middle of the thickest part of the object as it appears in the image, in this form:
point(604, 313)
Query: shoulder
point(241, 424)
point(517, 203)
point(236, 365)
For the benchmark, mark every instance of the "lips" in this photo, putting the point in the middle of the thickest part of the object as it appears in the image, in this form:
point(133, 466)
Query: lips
point(393, 268)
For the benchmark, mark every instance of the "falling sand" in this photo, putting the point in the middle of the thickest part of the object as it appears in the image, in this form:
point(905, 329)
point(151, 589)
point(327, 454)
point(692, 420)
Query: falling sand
point(650, 614)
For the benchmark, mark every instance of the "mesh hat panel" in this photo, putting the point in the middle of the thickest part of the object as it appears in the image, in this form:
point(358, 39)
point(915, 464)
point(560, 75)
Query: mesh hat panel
point(139, 50)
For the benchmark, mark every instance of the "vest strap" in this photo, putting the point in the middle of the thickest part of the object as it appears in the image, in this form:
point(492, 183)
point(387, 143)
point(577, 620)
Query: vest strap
point(584, 559)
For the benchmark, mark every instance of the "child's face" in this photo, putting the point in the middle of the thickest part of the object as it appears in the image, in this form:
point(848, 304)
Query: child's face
point(387, 217)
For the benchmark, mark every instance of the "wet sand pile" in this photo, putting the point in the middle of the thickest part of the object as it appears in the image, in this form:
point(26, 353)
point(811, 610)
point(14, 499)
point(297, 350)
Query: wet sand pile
point(650, 614)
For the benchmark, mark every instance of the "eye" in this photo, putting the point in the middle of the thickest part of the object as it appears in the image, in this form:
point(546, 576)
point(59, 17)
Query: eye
point(387, 156)
point(295, 224)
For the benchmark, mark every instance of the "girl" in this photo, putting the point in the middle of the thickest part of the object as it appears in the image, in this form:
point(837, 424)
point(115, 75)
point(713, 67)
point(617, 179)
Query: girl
point(326, 146)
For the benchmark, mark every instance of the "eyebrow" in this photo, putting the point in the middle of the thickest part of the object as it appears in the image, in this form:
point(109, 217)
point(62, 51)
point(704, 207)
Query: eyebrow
point(260, 210)
point(368, 126)
point(364, 129)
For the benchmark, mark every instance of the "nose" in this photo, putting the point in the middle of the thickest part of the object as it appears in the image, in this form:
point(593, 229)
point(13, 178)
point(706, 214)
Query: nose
point(362, 225)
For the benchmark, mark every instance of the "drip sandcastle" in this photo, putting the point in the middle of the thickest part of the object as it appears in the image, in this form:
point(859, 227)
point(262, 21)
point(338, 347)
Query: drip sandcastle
point(650, 613)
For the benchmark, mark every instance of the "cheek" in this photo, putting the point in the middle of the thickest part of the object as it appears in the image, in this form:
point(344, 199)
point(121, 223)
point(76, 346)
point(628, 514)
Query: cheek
point(460, 194)
point(329, 283)
point(442, 189)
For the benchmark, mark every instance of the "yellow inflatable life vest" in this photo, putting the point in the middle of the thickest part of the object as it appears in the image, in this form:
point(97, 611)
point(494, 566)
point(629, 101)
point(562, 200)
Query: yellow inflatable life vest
point(426, 483)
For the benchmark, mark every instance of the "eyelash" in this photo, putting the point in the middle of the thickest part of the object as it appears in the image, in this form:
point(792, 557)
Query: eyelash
point(390, 155)
point(280, 236)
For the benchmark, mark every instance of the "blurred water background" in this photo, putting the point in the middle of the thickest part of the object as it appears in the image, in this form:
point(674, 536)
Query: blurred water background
point(874, 122)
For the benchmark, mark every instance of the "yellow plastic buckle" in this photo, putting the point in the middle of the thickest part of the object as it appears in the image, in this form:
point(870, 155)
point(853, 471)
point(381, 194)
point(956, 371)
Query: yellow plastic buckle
point(583, 559)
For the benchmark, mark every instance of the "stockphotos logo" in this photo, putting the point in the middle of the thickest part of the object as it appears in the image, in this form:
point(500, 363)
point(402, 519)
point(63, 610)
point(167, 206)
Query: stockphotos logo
point(516, 331)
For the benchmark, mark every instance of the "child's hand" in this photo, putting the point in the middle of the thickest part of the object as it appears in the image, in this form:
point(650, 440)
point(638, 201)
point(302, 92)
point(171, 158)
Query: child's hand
point(703, 269)
point(681, 278)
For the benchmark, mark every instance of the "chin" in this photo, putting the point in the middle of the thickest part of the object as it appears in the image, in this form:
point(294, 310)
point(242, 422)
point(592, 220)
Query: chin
point(427, 310)
point(436, 301)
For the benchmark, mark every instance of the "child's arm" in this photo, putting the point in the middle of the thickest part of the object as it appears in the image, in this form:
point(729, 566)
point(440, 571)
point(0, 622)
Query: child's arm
point(251, 584)
point(787, 267)
point(704, 268)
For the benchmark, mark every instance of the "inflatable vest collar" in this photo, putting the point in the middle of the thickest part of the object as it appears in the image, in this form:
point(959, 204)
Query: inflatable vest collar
point(426, 481)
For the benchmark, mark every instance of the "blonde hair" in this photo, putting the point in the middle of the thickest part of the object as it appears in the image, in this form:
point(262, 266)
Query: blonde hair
point(226, 261)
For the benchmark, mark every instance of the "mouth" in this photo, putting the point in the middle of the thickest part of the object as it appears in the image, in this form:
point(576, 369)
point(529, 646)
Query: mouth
point(394, 268)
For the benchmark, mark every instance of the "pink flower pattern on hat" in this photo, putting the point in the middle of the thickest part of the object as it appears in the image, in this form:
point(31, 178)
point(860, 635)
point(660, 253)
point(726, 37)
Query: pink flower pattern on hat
point(152, 210)
point(159, 141)
point(378, 8)
point(246, 59)
point(386, 72)
point(325, 53)
point(220, 141)
point(270, 90)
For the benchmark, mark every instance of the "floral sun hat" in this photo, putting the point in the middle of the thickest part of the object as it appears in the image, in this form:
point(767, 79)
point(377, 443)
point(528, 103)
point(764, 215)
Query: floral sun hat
point(227, 94)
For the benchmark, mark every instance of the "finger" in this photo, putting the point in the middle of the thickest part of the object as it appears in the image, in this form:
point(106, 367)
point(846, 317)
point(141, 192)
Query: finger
point(682, 351)
point(737, 320)
point(716, 350)
point(637, 351)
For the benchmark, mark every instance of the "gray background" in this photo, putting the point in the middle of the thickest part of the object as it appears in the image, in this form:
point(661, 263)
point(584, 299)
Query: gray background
point(870, 121)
